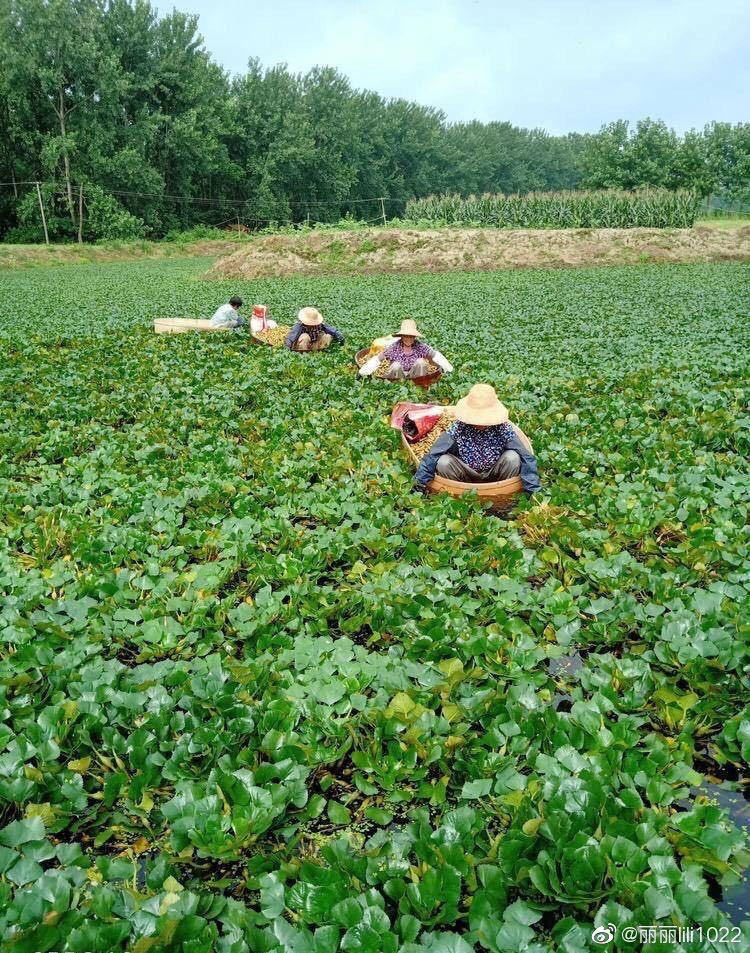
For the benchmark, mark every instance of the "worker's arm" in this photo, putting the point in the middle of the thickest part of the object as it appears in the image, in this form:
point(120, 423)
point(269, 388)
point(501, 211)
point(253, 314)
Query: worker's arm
point(334, 332)
point(529, 473)
point(291, 339)
point(441, 361)
point(445, 443)
point(371, 366)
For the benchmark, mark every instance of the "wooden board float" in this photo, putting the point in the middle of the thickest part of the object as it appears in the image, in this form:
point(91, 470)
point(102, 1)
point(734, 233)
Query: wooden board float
point(274, 337)
point(183, 325)
point(362, 356)
point(500, 494)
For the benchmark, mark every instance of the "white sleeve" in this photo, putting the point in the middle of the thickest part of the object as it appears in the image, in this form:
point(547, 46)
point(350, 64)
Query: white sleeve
point(221, 318)
point(371, 366)
point(441, 361)
point(256, 324)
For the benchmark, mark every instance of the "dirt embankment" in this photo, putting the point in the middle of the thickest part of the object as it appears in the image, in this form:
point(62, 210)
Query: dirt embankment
point(28, 256)
point(409, 250)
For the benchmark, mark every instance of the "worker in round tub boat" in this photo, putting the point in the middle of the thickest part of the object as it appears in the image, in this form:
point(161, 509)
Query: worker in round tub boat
point(408, 356)
point(310, 333)
point(482, 446)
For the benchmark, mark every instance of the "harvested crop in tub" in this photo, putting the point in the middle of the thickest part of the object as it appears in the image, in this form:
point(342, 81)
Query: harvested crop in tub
point(384, 367)
point(273, 336)
point(423, 446)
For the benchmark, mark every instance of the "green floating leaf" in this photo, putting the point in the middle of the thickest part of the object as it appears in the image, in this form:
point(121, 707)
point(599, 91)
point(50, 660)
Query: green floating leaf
point(21, 832)
point(381, 817)
point(476, 789)
point(338, 814)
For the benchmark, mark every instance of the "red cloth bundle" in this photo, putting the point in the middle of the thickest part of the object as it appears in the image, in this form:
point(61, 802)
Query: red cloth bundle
point(415, 421)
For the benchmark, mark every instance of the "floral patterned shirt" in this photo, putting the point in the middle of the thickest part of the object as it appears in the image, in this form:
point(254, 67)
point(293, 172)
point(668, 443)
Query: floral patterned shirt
point(481, 447)
point(407, 359)
point(313, 331)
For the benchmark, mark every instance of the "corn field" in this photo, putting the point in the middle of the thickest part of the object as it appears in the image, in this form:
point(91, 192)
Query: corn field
point(610, 208)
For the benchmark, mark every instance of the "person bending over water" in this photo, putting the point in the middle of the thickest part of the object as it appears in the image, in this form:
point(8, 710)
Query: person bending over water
point(228, 316)
point(310, 333)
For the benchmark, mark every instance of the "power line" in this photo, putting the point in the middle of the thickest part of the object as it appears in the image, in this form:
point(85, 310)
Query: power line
point(208, 200)
point(247, 219)
point(215, 201)
point(56, 189)
point(250, 219)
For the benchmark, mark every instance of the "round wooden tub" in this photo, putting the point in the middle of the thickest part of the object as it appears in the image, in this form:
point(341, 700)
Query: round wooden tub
point(500, 494)
point(277, 336)
point(362, 356)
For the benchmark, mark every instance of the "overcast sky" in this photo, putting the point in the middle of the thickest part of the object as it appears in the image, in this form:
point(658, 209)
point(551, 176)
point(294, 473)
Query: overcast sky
point(563, 65)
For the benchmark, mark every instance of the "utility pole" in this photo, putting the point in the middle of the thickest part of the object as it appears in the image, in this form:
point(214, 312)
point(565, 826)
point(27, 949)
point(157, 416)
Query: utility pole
point(382, 209)
point(41, 209)
point(80, 214)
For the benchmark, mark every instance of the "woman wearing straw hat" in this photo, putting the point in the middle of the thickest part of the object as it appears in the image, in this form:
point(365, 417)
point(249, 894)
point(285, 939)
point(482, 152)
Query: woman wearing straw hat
point(310, 333)
point(408, 357)
point(480, 447)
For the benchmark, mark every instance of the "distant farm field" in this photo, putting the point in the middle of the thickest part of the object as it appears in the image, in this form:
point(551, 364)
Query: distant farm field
point(256, 695)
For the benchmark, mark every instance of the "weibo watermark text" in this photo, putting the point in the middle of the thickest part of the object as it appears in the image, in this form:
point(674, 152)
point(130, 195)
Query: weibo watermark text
point(666, 934)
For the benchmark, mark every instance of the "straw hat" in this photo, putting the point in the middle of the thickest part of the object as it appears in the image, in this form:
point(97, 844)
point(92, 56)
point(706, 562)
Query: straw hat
point(310, 317)
point(409, 329)
point(481, 407)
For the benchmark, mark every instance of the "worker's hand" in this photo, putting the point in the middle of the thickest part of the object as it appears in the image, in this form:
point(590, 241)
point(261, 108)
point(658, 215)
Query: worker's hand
point(419, 488)
point(442, 361)
point(370, 366)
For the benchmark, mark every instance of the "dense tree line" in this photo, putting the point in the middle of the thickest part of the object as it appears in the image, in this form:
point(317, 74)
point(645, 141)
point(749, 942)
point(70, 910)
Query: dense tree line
point(125, 114)
point(715, 160)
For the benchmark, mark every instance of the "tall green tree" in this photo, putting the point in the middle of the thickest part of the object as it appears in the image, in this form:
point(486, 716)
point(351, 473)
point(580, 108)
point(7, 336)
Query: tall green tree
point(110, 96)
point(728, 158)
point(56, 59)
